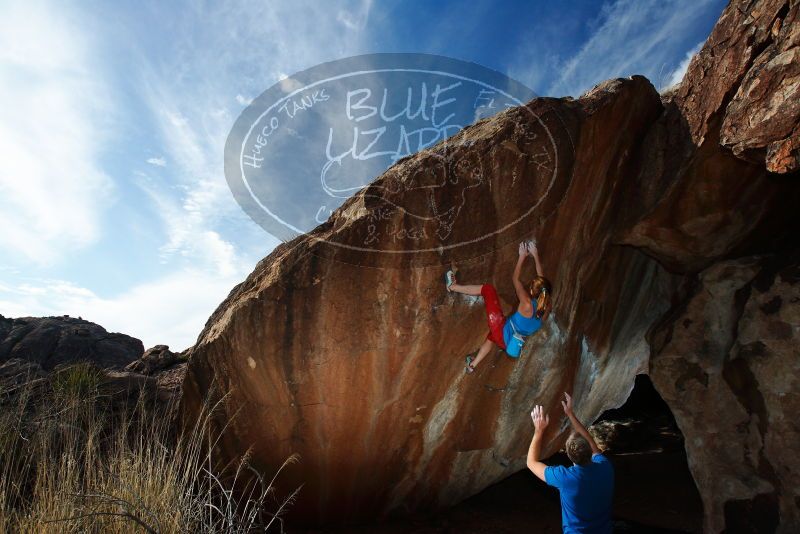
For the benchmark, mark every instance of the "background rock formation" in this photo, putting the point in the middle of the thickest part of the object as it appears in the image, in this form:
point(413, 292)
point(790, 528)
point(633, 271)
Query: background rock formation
point(727, 363)
point(39, 347)
point(360, 370)
point(50, 341)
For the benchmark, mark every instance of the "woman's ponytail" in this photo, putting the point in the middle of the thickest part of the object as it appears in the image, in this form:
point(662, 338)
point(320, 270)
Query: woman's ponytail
point(541, 290)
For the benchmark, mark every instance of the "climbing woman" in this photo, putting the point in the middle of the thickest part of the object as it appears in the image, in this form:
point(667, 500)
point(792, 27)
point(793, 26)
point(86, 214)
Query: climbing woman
point(509, 333)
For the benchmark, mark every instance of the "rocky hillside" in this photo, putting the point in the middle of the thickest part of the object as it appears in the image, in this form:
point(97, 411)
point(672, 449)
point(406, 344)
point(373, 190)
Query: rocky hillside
point(50, 341)
point(668, 225)
point(36, 347)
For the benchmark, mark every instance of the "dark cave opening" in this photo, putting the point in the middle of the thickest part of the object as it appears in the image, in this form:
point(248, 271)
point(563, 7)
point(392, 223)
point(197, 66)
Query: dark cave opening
point(654, 486)
point(643, 424)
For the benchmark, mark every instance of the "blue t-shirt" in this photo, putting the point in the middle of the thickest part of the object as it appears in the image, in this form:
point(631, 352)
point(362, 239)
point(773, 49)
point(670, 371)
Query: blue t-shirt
point(586, 492)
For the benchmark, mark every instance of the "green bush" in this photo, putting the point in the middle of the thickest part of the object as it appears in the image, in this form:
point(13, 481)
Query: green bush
point(77, 382)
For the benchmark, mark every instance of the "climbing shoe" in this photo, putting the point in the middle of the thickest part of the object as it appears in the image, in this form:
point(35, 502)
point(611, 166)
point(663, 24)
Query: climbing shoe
point(469, 368)
point(449, 279)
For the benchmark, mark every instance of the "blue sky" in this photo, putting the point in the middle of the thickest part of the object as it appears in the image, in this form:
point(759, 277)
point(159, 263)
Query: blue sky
point(113, 202)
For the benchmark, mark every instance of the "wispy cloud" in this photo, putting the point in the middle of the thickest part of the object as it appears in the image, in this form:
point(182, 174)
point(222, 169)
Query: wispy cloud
point(628, 37)
point(190, 86)
point(190, 233)
point(243, 100)
point(355, 19)
point(248, 47)
point(680, 71)
point(53, 123)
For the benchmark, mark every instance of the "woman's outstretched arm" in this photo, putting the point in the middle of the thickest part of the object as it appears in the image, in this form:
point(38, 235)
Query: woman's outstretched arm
point(522, 294)
point(535, 254)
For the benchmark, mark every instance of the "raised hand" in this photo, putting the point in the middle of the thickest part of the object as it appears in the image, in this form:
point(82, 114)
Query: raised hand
point(540, 419)
point(567, 404)
point(523, 249)
point(577, 426)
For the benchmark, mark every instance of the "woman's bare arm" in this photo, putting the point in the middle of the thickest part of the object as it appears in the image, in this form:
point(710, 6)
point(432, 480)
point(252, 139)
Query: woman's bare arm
point(535, 254)
point(522, 294)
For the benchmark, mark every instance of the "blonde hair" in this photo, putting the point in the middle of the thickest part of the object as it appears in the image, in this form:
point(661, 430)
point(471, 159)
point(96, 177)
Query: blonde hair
point(541, 290)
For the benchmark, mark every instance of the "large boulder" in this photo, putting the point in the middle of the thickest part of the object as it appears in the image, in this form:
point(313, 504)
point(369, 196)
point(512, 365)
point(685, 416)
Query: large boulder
point(360, 369)
point(153, 360)
point(165, 367)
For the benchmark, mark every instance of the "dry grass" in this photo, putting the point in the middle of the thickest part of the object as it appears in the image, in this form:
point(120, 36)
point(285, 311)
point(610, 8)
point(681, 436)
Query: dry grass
point(72, 460)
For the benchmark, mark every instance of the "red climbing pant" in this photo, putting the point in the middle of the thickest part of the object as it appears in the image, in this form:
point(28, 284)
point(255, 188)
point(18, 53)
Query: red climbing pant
point(494, 313)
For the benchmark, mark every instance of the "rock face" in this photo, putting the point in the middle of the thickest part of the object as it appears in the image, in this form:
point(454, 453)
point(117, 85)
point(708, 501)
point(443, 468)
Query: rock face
point(50, 341)
point(154, 359)
point(727, 362)
point(360, 370)
point(165, 367)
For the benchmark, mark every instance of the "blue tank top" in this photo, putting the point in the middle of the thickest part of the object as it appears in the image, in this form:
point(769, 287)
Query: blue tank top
point(524, 325)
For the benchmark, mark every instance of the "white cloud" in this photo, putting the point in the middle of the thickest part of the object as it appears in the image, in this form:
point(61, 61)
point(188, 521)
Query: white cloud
point(631, 37)
point(190, 234)
point(355, 19)
point(158, 162)
point(170, 310)
point(677, 75)
point(53, 121)
point(248, 47)
point(214, 54)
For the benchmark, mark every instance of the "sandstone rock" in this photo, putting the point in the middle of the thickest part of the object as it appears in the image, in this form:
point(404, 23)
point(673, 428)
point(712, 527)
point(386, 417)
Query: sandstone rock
point(727, 363)
point(705, 203)
point(35, 347)
point(5, 326)
point(154, 359)
point(50, 341)
point(357, 365)
point(17, 371)
point(761, 121)
point(362, 373)
point(125, 385)
point(164, 367)
point(743, 31)
point(169, 381)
